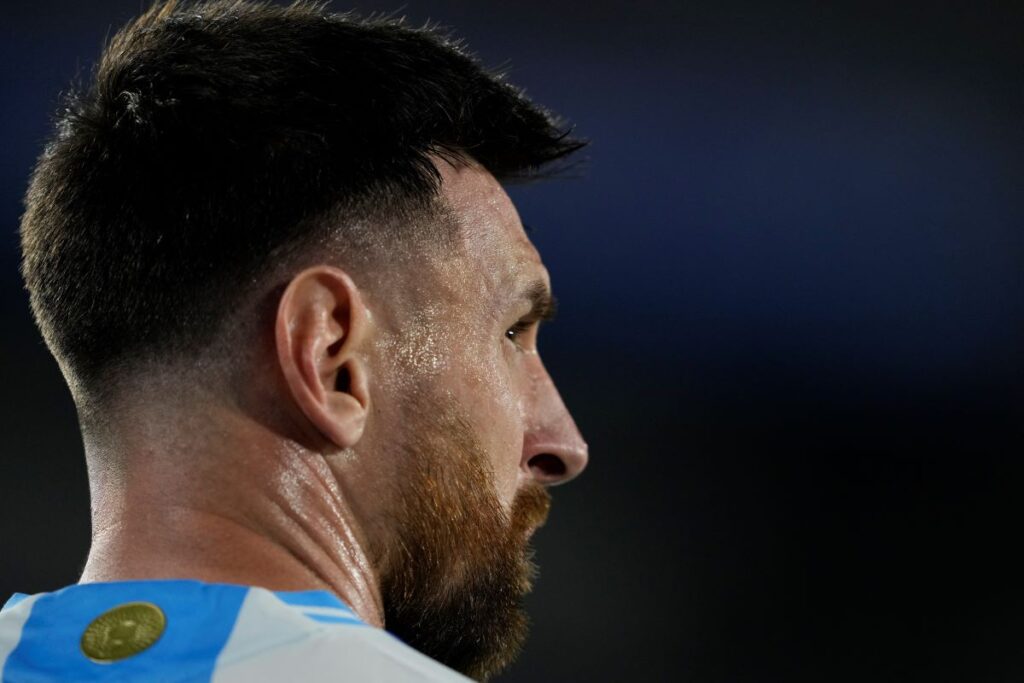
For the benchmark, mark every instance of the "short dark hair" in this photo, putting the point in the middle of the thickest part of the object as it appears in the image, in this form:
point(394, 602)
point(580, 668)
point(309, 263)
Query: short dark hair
point(213, 133)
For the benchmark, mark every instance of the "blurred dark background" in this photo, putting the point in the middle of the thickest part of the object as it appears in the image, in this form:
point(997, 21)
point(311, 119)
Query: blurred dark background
point(792, 287)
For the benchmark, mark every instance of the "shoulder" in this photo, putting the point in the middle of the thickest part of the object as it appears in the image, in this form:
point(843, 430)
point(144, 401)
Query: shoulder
point(271, 644)
point(336, 655)
point(189, 631)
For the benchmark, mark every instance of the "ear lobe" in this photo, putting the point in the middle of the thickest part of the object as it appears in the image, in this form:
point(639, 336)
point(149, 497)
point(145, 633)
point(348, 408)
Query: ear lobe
point(319, 330)
point(348, 402)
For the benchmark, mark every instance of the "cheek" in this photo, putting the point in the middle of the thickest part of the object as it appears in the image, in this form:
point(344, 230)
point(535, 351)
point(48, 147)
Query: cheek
point(492, 396)
point(421, 352)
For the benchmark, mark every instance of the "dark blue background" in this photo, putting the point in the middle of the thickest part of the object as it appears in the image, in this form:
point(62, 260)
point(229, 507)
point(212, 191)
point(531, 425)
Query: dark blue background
point(791, 279)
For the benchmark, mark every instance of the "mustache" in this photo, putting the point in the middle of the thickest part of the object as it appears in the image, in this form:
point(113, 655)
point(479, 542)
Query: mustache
point(530, 508)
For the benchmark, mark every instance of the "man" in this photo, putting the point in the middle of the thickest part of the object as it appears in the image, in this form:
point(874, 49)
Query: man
point(298, 315)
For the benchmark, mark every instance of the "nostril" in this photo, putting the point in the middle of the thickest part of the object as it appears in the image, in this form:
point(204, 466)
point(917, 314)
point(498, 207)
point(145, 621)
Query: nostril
point(547, 466)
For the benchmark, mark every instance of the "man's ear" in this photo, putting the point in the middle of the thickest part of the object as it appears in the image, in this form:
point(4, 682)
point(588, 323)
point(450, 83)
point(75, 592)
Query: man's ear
point(319, 329)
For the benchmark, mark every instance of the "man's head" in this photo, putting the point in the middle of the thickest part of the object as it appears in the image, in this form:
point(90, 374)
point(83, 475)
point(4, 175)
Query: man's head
point(298, 217)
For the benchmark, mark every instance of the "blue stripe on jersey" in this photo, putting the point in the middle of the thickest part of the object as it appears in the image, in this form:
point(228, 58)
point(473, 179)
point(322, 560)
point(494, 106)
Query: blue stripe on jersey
point(331, 619)
point(311, 599)
point(199, 616)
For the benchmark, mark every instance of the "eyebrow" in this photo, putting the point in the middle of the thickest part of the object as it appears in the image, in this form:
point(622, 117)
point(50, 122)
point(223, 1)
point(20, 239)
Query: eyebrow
point(543, 303)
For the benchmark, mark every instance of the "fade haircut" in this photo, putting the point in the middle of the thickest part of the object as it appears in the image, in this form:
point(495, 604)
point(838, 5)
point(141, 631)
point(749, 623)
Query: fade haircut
point(214, 135)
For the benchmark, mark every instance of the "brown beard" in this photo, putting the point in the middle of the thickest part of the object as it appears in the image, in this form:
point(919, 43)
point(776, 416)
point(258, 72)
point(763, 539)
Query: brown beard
point(457, 566)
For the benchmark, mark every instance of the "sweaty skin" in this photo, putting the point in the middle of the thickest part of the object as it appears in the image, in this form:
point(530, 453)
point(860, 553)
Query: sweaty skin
point(242, 478)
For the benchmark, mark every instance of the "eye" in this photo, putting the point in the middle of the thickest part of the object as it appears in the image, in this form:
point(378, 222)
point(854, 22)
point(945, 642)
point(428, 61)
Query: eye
point(513, 333)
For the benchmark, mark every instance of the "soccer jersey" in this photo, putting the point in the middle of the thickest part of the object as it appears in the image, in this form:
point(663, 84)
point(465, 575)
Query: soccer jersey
point(177, 631)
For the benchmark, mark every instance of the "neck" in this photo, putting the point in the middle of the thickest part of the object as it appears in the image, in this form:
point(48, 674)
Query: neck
point(253, 513)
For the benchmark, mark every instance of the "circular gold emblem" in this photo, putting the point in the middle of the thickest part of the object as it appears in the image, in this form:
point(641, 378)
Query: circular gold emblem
point(123, 631)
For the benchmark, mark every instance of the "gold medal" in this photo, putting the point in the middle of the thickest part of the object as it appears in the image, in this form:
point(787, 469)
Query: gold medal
point(123, 631)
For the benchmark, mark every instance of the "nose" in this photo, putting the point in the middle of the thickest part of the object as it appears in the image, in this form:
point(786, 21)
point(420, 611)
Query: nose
point(553, 448)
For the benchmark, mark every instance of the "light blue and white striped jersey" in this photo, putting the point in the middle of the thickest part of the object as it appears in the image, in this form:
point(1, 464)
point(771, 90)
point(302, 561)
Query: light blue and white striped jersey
point(177, 631)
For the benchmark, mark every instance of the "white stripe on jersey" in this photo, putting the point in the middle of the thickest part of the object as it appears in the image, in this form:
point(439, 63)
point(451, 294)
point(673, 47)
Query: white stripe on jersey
point(11, 626)
point(273, 642)
point(362, 654)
